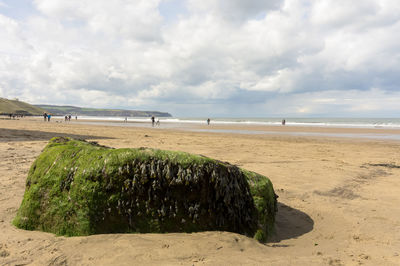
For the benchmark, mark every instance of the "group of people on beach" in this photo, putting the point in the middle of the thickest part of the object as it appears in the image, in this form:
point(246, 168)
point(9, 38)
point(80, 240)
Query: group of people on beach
point(67, 118)
point(14, 116)
point(154, 122)
point(46, 117)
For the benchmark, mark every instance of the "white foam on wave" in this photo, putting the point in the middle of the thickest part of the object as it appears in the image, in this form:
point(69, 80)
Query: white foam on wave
point(318, 122)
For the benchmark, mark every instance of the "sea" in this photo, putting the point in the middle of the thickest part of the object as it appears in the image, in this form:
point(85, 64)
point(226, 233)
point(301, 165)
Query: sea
point(188, 124)
point(390, 123)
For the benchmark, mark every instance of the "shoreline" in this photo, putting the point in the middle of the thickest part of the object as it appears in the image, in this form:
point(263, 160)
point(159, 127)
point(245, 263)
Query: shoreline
point(379, 134)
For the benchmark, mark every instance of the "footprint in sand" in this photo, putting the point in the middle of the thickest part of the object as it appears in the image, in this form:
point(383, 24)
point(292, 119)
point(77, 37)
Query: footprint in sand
point(3, 251)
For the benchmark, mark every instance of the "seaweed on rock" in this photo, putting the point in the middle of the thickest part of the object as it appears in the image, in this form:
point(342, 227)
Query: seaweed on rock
point(80, 188)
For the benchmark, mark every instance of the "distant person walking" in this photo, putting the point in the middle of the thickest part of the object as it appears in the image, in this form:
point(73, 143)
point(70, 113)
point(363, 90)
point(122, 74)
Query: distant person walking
point(283, 122)
point(45, 116)
point(153, 120)
point(48, 117)
point(208, 121)
point(76, 117)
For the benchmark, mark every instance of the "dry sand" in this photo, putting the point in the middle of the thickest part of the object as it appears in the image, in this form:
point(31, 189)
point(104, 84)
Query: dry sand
point(339, 200)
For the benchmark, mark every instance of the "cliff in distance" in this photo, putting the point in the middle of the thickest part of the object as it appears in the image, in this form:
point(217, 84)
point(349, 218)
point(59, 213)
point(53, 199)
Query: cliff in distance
point(73, 110)
point(16, 107)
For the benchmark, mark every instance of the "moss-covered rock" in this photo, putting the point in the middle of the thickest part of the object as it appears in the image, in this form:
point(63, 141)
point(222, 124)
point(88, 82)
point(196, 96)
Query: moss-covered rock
point(79, 188)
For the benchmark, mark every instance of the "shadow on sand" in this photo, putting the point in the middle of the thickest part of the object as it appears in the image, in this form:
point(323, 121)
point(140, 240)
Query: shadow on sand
point(290, 223)
point(32, 135)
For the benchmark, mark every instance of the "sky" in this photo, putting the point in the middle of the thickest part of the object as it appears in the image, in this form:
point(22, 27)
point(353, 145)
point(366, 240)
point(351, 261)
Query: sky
point(205, 58)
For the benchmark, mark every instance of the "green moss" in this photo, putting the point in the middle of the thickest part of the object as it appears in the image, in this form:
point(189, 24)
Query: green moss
point(264, 200)
point(260, 236)
point(79, 188)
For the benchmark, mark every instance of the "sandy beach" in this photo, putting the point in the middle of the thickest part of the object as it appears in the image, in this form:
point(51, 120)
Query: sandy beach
point(339, 198)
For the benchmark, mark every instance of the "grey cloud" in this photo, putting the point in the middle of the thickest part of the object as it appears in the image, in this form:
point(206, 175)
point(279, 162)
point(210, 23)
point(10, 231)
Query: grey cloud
point(216, 57)
point(235, 10)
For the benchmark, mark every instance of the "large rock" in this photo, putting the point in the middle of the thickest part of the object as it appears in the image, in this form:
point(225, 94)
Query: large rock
point(79, 188)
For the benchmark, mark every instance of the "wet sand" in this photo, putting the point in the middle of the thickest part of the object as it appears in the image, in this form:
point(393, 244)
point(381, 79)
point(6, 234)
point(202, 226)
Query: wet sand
point(339, 198)
point(376, 133)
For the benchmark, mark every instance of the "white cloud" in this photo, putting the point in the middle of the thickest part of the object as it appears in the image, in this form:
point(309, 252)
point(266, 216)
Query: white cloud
point(12, 41)
point(241, 56)
point(369, 103)
point(115, 19)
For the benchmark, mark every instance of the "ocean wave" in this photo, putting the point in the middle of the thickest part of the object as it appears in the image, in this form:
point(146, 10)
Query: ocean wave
point(309, 122)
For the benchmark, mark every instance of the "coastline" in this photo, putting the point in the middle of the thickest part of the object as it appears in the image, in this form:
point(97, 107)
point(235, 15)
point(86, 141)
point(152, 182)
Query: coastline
point(295, 130)
point(338, 197)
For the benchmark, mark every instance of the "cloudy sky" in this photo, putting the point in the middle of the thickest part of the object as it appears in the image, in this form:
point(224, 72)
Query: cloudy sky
point(237, 58)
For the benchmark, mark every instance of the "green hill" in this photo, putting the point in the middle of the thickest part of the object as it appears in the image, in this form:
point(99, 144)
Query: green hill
point(64, 110)
point(16, 107)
